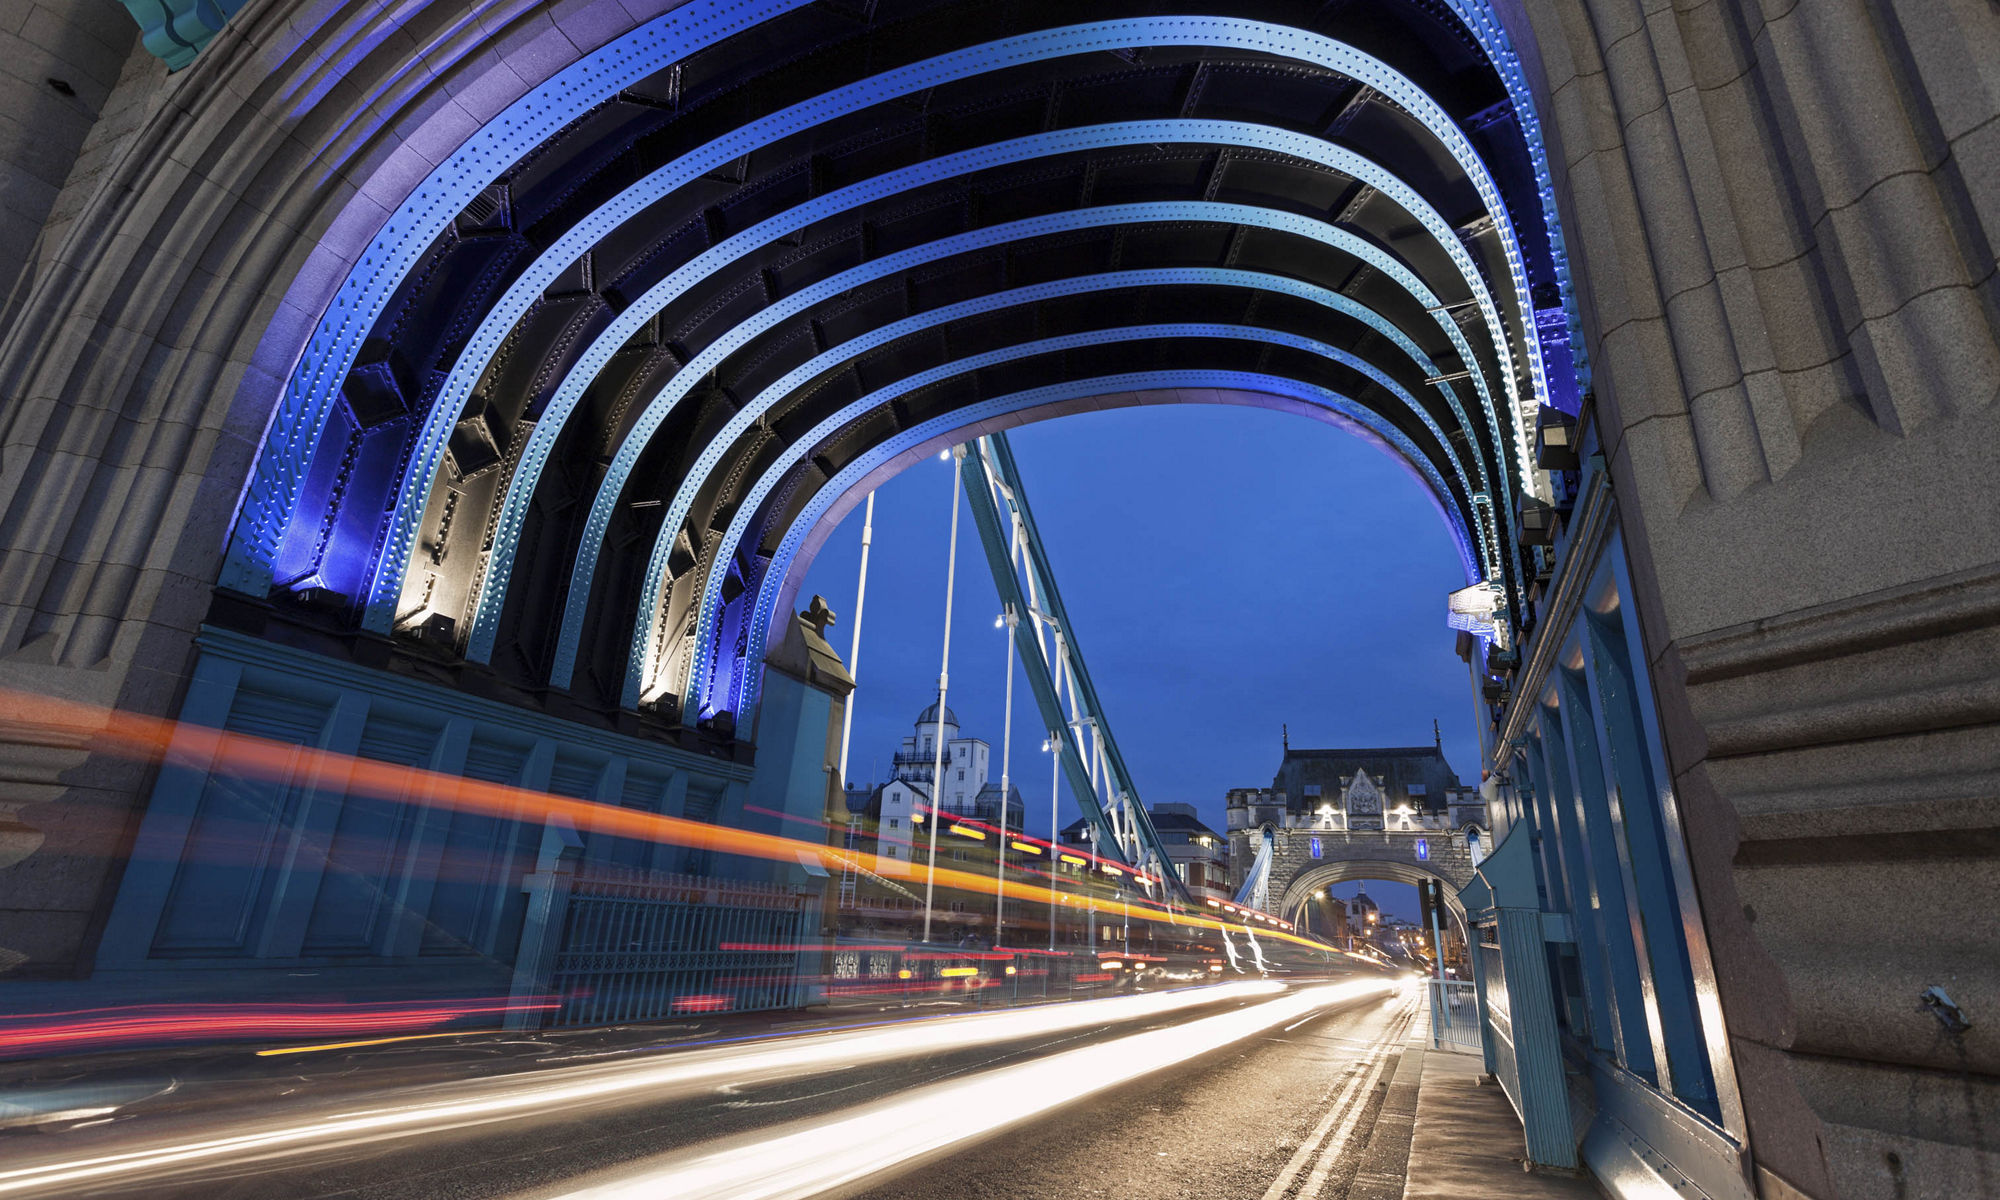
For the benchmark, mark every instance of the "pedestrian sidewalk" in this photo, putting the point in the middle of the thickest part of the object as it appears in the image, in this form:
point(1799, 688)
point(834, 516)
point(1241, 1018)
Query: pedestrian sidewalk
point(1467, 1143)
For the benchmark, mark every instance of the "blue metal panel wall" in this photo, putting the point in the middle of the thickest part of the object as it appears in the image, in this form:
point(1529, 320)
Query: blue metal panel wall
point(1590, 791)
point(244, 881)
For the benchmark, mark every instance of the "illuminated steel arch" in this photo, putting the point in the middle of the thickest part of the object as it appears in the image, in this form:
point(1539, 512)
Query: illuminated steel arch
point(1464, 519)
point(685, 381)
point(885, 458)
point(536, 431)
point(521, 486)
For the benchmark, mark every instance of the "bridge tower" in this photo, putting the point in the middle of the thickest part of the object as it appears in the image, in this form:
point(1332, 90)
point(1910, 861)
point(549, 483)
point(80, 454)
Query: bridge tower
point(1398, 813)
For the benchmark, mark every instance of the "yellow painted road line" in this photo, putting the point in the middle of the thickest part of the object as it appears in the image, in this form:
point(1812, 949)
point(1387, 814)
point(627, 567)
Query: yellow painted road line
point(408, 1037)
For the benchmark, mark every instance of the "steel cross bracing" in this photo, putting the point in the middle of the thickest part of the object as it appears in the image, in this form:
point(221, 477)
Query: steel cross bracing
point(1256, 889)
point(1090, 759)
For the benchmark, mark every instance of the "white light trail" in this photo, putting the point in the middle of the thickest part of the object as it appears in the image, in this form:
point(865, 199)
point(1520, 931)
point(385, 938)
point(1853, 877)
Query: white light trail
point(809, 1157)
point(659, 1076)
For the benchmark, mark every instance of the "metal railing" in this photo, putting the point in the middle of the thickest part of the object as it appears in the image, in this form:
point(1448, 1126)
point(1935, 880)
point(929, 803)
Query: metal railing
point(1455, 1015)
point(642, 945)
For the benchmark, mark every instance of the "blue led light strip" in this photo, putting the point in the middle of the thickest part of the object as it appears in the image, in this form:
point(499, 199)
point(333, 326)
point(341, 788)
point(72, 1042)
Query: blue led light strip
point(690, 375)
point(521, 485)
point(1479, 17)
point(1361, 420)
point(641, 675)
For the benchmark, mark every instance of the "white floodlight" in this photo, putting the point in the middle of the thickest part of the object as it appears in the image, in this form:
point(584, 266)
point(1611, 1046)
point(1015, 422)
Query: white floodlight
point(1479, 610)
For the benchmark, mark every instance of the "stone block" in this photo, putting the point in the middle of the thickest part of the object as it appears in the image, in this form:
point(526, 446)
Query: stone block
point(1977, 154)
point(1715, 45)
point(1793, 308)
point(78, 44)
point(1632, 70)
point(1755, 171)
point(1662, 190)
point(1622, 284)
point(590, 24)
point(1895, 243)
point(1732, 458)
point(1843, 99)
point(1955, 51)
point(1934, 356)
point(1771, 412)
point(110, 27)
point(1704, 341)
point(39, 138)
point(1641, 379)
point(534, 47)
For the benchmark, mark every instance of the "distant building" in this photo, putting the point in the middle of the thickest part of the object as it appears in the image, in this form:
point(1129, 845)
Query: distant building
point(894, 807)
point(1364, 917)
point(1200, 855)
point(887, 829)
point(1371, 793)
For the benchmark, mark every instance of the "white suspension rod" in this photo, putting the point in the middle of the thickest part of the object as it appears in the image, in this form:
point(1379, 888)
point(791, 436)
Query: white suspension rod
point(944, 685)
point(854, 647)
point(1006, 756)
point(1055, 829)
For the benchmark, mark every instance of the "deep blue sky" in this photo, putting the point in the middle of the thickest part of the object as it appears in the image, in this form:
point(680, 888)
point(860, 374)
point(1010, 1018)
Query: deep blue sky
point(1229, 571)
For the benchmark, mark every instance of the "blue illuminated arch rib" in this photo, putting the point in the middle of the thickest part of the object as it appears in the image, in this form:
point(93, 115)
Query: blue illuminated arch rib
point(271, 492)
point(576, 603)
point(1479, 17)
point(640, 676)
point(296, 428)
point(1362, 420)
point(640, 662)
point(520, 490)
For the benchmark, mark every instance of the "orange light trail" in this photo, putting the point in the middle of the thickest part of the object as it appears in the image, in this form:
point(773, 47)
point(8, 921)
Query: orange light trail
point(206, 749)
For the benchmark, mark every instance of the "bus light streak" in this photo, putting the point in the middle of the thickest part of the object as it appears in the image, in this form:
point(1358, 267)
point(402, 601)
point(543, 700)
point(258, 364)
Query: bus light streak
point(659, 1076)
point(205, 749)
point(813, 1156)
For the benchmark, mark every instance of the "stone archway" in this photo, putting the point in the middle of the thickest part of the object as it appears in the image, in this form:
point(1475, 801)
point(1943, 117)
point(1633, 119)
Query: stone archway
point(1759, 371)
point(1302, 886)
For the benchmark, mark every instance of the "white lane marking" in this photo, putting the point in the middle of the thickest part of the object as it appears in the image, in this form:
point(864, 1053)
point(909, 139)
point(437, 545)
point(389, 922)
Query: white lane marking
point(793, 1099)
point(804, 1158)
point(1349, 1102)
point(1331, 1149)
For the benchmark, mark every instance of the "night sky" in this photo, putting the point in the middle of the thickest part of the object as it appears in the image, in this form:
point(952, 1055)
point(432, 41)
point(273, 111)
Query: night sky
point(1229, 570)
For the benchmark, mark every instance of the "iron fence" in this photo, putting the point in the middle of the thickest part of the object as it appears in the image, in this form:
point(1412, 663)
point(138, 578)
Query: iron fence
point(1455, 1015)
point(638, 945)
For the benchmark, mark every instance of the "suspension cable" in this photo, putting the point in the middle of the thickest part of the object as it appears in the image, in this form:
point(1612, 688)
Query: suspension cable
point(944, 684)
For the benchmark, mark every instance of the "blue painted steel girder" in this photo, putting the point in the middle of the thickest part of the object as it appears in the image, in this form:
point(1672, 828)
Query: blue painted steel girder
point(554, 420)
point(994, 413)
point(589, 82)
point(640, 671)
point(583, 572)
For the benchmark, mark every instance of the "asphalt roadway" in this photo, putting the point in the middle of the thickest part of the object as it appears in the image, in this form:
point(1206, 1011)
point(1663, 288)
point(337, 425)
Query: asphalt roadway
point(1287, 1114)
point(1283, 1112)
